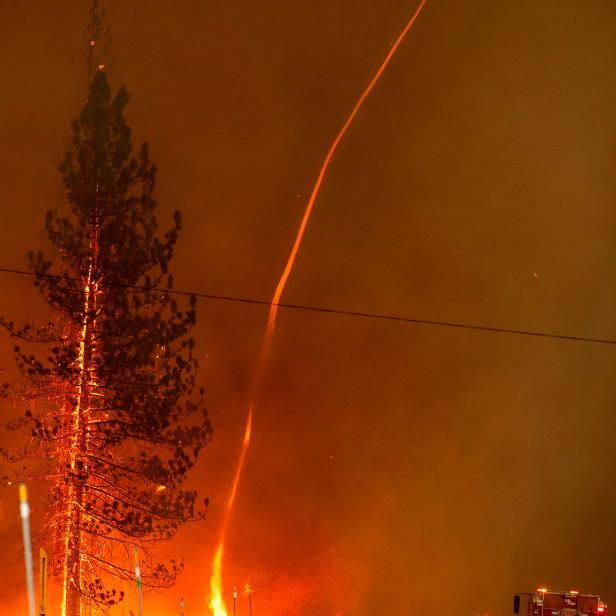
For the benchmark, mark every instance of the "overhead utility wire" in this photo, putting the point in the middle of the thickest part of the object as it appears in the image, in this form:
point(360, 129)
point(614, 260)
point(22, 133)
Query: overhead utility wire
point(347, 313)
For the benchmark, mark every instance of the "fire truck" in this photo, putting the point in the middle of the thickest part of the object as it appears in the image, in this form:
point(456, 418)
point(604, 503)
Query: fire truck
point(544, 602)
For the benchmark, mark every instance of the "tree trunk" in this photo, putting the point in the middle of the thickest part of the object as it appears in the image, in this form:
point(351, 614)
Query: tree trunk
point(71, 581)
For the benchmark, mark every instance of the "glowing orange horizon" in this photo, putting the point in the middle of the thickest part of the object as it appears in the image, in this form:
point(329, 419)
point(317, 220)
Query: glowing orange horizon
point(215, 602)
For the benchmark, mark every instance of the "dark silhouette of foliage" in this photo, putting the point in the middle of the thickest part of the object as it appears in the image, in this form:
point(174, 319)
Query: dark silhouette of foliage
point(113, 422)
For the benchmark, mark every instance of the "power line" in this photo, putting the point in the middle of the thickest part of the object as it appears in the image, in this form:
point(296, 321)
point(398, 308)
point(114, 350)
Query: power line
point(337, 311)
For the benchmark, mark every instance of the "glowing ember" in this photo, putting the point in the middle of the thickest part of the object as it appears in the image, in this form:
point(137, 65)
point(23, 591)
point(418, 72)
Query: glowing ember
point(72, 536)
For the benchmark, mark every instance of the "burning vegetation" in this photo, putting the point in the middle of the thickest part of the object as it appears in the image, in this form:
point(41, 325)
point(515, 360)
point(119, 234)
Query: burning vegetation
point(112, 424)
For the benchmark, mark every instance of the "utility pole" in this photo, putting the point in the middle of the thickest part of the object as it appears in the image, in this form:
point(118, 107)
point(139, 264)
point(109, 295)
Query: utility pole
point(24, 510)
point(248, 591)
point(43, 582)
point(138, 579)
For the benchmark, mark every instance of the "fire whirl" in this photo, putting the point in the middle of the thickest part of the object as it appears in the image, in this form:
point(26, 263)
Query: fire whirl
point(216, 602)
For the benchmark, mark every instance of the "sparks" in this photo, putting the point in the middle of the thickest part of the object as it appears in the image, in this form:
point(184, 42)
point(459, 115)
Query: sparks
point(71, 540)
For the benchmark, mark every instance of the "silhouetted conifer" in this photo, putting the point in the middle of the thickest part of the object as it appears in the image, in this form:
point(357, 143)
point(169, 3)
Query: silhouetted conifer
point(112, 423)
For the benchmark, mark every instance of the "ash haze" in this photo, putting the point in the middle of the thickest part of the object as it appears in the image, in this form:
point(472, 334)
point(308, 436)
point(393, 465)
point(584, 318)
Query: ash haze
point(395, 468)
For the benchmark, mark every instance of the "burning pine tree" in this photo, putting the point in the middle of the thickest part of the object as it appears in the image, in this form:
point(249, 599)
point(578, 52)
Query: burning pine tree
point(112, 422)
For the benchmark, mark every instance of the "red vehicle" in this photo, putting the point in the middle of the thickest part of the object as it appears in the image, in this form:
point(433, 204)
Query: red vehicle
point(544, 602)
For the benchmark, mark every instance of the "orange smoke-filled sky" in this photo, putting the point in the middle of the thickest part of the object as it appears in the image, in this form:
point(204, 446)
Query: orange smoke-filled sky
point(394, 468)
